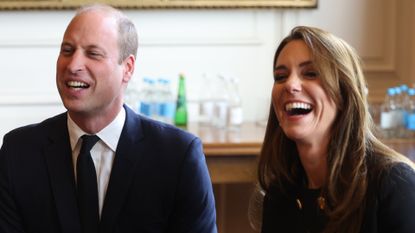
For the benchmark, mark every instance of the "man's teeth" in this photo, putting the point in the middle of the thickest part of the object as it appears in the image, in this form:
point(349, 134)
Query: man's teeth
point(77, 84)
point(291, 106)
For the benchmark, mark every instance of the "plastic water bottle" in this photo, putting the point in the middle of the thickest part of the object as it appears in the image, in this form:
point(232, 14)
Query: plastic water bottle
point(147, 99)
point(403, 100)
point(388, 116)
point(206, 102)
point(404, 88)
point(400, 112)
point(220, 109)
point(166, 105)
point(235, 115)
point(132, 95)
point(410, 114)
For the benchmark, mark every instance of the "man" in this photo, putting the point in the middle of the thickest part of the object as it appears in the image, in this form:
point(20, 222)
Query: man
point(148, 176)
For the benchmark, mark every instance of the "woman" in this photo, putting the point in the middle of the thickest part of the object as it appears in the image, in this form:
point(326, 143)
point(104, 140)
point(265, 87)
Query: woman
point(321, 168)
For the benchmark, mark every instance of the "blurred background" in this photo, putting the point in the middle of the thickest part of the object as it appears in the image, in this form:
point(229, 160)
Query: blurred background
point(203, 44)
point(230, 48)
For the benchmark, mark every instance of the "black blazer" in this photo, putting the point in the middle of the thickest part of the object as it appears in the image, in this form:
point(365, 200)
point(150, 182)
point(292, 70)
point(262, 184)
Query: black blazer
point(390, 205)
point(159, 181)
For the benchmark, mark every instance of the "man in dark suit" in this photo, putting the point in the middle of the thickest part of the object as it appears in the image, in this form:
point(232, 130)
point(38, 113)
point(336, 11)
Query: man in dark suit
point(150, 177)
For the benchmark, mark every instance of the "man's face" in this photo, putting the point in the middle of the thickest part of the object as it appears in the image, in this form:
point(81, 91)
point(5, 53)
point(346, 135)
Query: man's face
point(89, 77)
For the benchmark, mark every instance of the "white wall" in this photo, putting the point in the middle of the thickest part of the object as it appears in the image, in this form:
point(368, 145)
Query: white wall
point(237, 42)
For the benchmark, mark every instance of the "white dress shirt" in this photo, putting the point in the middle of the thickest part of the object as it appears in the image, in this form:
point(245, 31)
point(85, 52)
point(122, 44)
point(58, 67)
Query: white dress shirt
point(102, 153)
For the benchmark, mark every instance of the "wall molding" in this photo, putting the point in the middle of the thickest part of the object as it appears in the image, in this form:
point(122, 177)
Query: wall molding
point(386, 62)
point(29, 100)
point(149, 4)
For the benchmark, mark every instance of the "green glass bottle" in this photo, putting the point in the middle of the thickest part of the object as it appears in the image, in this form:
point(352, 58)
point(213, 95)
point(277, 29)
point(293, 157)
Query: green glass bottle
point(180, 118)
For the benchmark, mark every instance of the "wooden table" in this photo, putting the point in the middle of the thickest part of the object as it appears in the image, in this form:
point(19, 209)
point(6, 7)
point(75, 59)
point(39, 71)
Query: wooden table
point(232, 154)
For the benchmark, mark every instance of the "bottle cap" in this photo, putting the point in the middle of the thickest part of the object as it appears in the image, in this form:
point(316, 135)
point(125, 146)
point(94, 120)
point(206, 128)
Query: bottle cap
point(391, 91)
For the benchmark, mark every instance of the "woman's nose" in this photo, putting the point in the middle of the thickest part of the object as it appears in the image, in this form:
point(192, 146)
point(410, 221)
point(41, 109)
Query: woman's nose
point(293, 84)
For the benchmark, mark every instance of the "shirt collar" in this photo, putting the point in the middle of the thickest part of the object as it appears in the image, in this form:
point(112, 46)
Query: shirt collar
point(110, 135)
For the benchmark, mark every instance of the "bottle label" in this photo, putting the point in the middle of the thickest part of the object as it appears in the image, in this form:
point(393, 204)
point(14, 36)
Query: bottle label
point(145, 109)
point(399, 118)
point(167, 110)
point(387, 120)
point(206, 112)
point(405, 119)
point(411, 121)
point(235, 116)
point(221, 114)
point(180, 118)
point(207, 108)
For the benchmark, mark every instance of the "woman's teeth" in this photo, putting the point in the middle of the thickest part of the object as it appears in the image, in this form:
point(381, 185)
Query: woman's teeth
point(298, 108)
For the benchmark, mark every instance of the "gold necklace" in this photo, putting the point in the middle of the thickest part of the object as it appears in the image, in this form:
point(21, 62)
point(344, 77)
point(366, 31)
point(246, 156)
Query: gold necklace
point(321, 202)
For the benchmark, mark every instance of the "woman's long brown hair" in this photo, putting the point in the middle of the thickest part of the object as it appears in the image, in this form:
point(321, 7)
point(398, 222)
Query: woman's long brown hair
point(352, 147)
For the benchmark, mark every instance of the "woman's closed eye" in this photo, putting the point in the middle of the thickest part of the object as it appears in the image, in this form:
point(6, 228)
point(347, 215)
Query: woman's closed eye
point(280, 73)
point(279, 77)
point(311, 74)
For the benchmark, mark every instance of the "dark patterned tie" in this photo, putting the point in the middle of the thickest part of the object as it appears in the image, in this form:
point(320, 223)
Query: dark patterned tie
point(87, 186)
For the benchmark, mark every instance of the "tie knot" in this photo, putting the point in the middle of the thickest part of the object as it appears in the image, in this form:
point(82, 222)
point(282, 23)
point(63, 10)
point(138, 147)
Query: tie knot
point(88, 141)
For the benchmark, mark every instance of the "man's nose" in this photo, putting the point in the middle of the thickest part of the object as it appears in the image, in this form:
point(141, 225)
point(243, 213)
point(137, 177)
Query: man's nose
point(76, 63)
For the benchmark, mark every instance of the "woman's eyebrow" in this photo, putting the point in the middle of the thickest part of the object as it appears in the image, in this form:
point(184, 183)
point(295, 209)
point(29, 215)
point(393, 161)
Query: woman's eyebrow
point(280, 67)
point(302, 64)
point(306, 63)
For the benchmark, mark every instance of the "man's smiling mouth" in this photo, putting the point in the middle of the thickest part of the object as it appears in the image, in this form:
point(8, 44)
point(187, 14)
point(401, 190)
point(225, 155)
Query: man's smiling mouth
point(77, 84)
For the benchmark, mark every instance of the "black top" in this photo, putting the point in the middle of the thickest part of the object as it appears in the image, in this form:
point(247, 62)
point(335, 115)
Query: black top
point(312, 214)
point(390, 207)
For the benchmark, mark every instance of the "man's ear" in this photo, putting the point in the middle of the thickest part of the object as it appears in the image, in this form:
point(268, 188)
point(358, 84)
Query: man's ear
point(129, 65)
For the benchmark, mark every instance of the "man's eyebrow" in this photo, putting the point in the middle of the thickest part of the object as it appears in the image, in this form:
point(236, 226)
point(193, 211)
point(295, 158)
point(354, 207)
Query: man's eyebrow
point(65, 43)
point(92, 46)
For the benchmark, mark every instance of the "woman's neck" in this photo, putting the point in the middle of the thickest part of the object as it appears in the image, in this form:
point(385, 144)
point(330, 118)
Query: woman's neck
point(314, 161)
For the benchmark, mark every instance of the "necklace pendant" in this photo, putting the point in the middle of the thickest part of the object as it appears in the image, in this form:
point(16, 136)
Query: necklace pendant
point(321, 203)
point(299, 204)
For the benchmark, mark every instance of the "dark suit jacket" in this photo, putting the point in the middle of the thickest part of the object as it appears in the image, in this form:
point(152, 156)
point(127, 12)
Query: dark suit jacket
point(159, 181)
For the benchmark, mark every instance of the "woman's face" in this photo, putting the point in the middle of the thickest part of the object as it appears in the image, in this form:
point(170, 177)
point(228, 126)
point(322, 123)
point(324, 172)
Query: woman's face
point(304, 110)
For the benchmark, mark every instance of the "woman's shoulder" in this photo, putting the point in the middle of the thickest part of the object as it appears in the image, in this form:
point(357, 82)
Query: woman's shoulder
point(396, 199)
point(387, 172)
point(398, 177)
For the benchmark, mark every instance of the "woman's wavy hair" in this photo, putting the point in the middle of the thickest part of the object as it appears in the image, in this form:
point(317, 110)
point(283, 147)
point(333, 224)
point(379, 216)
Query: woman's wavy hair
point(352, 142)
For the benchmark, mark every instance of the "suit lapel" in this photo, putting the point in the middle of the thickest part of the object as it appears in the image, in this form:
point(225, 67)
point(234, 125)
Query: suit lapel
point(59, 162)
point(126, 157)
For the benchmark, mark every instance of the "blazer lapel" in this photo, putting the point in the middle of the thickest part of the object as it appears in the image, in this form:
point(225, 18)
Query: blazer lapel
point(126, 157)
point(59, 162)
